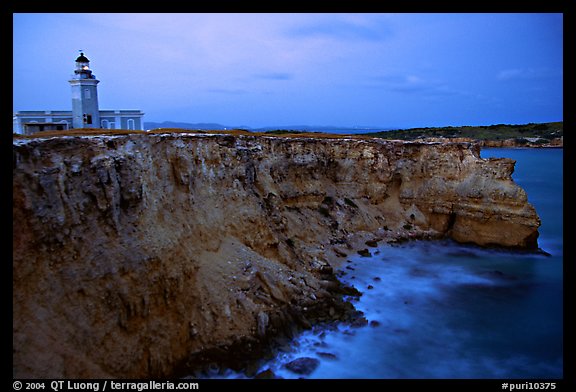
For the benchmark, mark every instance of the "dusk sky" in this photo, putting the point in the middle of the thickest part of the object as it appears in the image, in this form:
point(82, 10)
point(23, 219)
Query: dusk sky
point(379, 70)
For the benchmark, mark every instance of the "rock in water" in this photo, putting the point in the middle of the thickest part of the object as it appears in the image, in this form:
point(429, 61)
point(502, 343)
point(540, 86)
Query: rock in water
point(365, 253)
point(327, 355)
point(304, 365)
point(372, 243)
point(266, 375)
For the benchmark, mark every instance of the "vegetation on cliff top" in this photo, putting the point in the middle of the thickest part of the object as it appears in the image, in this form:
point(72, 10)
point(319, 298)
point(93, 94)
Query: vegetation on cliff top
point(542, 132)
point(234, 132)
point(546, 131)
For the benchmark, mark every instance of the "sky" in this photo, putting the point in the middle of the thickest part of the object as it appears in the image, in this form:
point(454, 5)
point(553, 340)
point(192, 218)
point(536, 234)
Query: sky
point(239, 69)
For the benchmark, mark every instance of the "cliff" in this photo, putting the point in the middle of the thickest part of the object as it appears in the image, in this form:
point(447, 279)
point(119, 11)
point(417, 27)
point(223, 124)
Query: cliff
point(497, 135)
point(534, 142)
point(136, 255)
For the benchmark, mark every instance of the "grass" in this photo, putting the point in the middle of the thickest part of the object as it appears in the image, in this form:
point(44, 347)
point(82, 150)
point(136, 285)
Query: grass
point(233, 132)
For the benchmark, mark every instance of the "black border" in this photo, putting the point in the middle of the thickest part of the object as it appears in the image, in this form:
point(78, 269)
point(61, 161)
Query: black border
point(565, 6)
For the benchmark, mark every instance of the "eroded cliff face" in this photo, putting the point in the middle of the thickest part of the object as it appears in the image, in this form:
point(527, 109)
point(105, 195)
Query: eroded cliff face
point(531, 142)
point(134, 254)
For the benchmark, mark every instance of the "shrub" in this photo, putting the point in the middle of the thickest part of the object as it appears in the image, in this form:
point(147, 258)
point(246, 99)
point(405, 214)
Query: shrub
point(540, 127)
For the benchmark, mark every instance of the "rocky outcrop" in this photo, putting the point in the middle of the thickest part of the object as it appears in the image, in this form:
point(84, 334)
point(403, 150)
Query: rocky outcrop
point(526, 142)
point(136, 255)
point(532, 142)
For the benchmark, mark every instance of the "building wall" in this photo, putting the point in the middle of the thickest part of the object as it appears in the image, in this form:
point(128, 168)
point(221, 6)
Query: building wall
point(109, 119)
point(108, 122)
point(122, 119)
point(39, 116)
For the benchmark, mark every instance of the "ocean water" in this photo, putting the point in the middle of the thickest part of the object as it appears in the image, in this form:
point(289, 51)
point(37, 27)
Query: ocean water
point(438, 309)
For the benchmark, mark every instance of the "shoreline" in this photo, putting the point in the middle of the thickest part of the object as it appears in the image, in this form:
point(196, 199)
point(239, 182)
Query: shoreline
point(244, 356)
point(343, 297)
point(141, 255)
point(323, 319)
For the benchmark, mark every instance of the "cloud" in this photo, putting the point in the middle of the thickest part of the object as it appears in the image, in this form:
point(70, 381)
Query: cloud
point(524, 74)
point(423, 88)
point(227, 91)
point(408, 84)
point(274, 76)
point(350, 29)
point(511, 74)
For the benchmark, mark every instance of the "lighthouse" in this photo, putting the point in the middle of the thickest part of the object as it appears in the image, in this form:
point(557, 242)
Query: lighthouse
point(85, 111)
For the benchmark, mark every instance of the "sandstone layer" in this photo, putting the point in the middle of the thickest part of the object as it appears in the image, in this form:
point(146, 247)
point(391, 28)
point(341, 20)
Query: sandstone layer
point(135, 255)
point(530, 142)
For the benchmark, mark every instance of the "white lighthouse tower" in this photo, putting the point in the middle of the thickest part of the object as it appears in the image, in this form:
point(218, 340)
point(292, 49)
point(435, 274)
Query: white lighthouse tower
point(85, 111)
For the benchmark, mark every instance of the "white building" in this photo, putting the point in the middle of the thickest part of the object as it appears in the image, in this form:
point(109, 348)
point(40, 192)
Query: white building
point(85, 111)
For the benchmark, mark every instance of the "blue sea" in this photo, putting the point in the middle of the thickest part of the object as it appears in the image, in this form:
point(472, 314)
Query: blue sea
point(441, 310)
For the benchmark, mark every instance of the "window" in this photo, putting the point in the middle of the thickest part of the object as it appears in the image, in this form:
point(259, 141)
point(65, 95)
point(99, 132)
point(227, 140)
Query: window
point(104, 124)
point(87, 94)
point(87, 119)
point(131, 124)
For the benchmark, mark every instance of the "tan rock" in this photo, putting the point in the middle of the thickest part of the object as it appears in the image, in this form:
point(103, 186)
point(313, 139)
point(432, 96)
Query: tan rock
point(130, 260)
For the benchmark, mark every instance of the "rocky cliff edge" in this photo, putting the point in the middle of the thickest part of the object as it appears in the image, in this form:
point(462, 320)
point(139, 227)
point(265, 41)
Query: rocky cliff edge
point(138, 255)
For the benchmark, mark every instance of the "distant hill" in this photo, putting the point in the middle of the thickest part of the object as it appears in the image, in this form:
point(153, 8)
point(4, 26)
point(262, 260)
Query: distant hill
point(532, 132)
point(192, 126)
point(542, 131)
point(301, 128)
point(324, 129)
